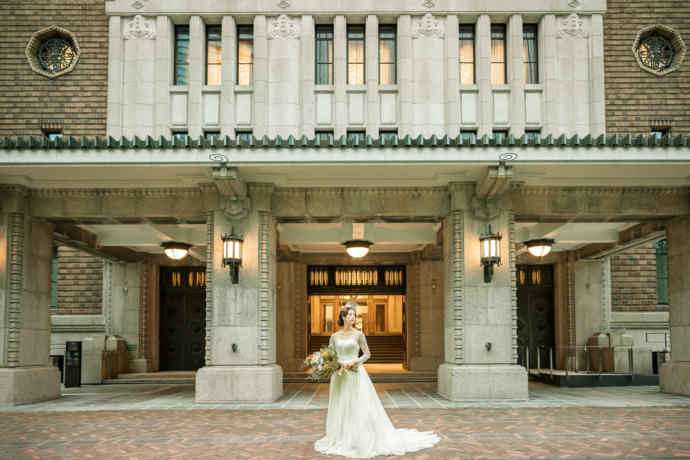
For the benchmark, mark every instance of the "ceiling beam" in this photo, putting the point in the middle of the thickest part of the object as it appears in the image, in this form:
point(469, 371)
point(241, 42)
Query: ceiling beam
point(628, 238)
point(83, 240)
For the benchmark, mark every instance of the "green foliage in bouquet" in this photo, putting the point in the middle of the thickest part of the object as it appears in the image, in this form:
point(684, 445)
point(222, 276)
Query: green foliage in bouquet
point(323, 364)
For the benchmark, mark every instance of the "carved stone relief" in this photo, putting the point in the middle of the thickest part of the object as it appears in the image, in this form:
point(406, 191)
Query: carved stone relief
point(427, 26)
point(429, 3)
point(283, 3)
point(283, 26)
point(140, 27)
point(572, 26)
point(574, 3)
point(139, 4)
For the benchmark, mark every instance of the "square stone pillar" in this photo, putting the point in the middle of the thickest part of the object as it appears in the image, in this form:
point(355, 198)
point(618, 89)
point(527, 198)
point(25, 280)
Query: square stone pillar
point(674, 376)
point(241, 318)
point(478, 313)
point(26, 375)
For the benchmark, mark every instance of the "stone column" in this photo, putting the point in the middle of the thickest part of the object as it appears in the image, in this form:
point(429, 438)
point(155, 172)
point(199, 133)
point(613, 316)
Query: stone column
point(674, 376)
point(260, 78)
point(516, 75)
point(283, 102)
point(483, 68)
point(115, 64)
point(478, 313)
point(596, 76)
point(371, 72)
point(452, 57)
point(548, 72)
point(242, 355)
point(26, 375)
point(428, 49)
point(572, 34)
point(228, 73)
point(196, 76)
point(405, 86)
point(164, 51)
point(588, 303)
point(307, 67)
point(340, 74)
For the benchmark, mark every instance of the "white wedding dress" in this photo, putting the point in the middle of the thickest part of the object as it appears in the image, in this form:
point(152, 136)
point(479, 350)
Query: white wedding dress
point(357, 425)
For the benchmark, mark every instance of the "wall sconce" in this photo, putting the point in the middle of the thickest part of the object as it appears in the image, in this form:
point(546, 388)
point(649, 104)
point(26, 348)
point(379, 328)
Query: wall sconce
point(175, 251)
point(488, 346)
point(490, 253)
point(540, 247)
point(232, 254)
point(234, 348)
point(357, 248)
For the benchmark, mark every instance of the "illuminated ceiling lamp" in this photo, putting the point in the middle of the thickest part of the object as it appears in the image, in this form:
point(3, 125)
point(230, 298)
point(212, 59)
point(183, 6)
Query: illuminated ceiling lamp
point(175, 251)
point(540, 247)
point(357, 248)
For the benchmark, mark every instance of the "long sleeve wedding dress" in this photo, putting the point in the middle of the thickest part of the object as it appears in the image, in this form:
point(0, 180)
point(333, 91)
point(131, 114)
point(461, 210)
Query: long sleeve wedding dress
point(357, 425)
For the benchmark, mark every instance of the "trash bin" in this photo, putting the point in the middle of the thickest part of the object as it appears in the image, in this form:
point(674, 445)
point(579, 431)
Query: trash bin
point(73, 364)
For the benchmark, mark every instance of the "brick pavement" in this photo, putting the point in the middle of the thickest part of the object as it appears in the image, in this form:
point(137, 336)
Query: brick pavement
point(486, 433)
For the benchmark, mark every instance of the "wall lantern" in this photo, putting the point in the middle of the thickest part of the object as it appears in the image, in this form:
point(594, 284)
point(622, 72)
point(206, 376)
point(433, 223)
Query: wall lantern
point(539, 248)
point(175, 251)
point(232, 254)
point(490, 253)
point(357, 248)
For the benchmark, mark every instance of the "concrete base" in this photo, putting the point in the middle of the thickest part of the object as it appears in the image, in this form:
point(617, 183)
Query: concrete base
point(137, 366)
point(675, 378)
point(475, 382)
point(235, 384)
point(25, 385)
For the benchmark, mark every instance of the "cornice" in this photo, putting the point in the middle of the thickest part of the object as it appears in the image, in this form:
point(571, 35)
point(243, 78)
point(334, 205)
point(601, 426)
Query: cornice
point(603, 190)
point(116, 192)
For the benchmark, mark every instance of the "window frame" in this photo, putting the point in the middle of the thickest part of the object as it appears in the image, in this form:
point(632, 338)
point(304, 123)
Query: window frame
point(499, 28)
point(329, 75)
point(214, 29)
point(530, 28)
point(471, 28)
point(242, 29)
point(351, 27)
point(177, 63)
point(387, 28)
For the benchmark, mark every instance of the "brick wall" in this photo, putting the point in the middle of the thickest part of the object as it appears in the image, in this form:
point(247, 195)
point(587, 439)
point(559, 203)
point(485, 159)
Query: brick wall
point(633, 281)
point(634, 97)
point(80, 283)
point(77, 100)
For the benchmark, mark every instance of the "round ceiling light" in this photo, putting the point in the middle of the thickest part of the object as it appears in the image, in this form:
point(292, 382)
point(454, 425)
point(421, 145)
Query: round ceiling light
point(539, 248)
point(175, 251)
point(357, 248)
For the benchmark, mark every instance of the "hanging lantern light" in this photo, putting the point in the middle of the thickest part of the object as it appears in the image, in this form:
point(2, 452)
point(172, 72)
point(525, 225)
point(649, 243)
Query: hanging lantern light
point(490, 253)
point(540, 247)
point(232, 254)
point(175, 251)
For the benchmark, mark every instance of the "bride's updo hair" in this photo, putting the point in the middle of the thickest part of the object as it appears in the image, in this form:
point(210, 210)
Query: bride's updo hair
point(343, 313)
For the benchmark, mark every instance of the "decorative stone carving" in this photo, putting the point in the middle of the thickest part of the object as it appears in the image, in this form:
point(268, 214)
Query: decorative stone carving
point(428, 26)
point(265, 294)
point(456, 262)
point(235, 209)
point(15, 267)
point(140, 27)
point(572, 26)
point(662, 57)
point(139, 4)
point(574, 3)
point(53, 51)
point(283, 3)
point(429, 3)
point(283, 26)
point(485, 208)
point(143, 307)
point(209, 285)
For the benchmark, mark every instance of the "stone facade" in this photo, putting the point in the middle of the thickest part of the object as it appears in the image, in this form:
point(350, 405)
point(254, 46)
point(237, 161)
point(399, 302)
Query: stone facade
point(638, 101)
point(633, 281)
point(80, 283)
point(73, 103)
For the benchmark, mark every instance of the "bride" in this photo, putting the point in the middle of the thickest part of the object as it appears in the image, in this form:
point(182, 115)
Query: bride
point(357, 425)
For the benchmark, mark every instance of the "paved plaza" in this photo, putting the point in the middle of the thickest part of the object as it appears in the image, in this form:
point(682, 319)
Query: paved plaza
point(162, 421)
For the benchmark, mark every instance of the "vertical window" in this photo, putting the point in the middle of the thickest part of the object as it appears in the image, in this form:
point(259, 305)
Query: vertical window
point(324, 55)
point(327, 318)
point(388, 135)
point(351, 135)
point(213, 55)
point(380, 318)
point(209, 134)
point(181, 55)
point(244, 136)
point(180, 135)
point(52, 135)
point(468, 134)
point(529, 54)
point(355, 55)
point(467, 55)
point(387, 55)
point(320, 136)
point(502, 133)
point(498, 55)
point(245, 54)
point(659, 133)
point(661, 272)
point(531, 134)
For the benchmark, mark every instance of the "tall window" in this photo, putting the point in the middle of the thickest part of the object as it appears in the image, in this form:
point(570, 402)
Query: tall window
point(355, 55)
point(324, 55)
point(498, 55)
point(387, 55)
point(467, 54)
point(213, 55)
point(529, 53)
point(181, 54)
point(245, 54)
point(661, 272)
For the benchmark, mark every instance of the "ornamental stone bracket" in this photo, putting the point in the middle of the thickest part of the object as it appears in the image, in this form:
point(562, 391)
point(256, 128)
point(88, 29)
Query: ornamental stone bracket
point(572, 26)
point(489, 188)
point(140, 27)
point(427, 26)
point(283, 26)
point(235, 203)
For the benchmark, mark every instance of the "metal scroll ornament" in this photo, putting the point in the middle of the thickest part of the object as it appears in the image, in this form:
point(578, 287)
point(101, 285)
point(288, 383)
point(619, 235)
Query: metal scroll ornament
point(55, 55)
point(656, 53)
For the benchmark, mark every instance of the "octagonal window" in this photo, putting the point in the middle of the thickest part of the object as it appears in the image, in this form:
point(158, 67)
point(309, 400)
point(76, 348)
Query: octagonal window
point(53, 51)
point(659, 49)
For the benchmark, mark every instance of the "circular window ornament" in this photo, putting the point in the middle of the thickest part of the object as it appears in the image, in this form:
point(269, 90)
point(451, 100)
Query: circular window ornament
point(659, 49)
point(53, 51)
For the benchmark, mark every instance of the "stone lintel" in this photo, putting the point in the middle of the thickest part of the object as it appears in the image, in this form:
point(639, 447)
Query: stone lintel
point(25, 385)
point(482, 382)
point(239, 384)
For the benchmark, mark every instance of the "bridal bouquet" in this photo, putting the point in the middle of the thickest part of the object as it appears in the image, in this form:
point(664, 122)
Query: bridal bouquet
point(323, 364)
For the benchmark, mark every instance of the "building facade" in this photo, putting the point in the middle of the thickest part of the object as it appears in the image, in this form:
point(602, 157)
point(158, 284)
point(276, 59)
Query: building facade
point(414, 128)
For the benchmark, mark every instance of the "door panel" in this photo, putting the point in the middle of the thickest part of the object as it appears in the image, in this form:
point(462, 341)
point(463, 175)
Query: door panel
point(535, 313)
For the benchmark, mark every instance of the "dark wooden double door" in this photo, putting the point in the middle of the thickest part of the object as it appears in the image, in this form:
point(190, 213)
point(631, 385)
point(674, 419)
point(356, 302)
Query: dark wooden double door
point(535, 314)
point(182, 319)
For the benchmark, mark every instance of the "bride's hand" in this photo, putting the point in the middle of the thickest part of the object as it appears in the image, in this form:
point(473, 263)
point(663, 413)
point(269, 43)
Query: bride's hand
point(351, 365)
